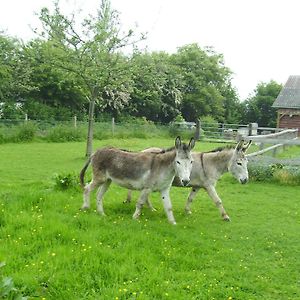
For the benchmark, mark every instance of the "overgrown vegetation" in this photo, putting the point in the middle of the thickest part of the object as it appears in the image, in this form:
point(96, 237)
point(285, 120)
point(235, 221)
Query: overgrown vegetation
point(59, 132)
point(18, 133)
point(277, 173)
point(53, 250)
point(66, 181)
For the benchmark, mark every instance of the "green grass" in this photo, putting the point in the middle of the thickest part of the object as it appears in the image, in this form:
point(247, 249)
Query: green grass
point(290, 152)
point(52, 250)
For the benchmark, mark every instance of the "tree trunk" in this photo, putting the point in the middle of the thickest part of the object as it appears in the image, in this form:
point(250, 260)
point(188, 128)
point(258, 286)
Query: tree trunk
point(89, 142)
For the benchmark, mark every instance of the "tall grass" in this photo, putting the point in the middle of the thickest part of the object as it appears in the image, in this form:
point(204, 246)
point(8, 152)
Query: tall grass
point(66, 132)
point(52, 250)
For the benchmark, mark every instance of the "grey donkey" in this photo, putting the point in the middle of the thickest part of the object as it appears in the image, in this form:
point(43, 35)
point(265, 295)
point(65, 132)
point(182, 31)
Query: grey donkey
point(144, 171)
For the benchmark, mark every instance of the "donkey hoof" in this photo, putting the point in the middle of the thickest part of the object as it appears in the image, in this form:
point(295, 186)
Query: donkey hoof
point(226, 218)
point(153, 209)
point(173, 223)
point(188, 212)
point(83, 208)
point(136, 215)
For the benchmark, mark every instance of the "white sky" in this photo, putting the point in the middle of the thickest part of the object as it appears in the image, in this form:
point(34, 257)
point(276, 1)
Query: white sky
point(260, 39)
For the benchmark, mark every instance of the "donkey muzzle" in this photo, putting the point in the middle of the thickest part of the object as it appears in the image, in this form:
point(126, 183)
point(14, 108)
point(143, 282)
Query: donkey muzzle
point(244, 180)
point(185, 182)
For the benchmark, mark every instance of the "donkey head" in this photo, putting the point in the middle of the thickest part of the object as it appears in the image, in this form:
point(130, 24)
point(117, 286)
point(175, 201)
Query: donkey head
point(238, 162)
point(183, 160)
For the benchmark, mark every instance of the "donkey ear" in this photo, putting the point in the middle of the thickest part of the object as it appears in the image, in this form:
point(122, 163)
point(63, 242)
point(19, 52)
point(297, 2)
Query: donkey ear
point(177, 142)
point(240, 145)
point(245, 147)
point(192, 143)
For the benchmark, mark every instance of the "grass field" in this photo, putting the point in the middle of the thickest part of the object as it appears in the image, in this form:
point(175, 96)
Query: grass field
point(52, 250)
point(290, 152)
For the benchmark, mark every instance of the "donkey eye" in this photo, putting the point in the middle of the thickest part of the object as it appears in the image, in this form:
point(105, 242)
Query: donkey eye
point(191, 161)
point(178, 162)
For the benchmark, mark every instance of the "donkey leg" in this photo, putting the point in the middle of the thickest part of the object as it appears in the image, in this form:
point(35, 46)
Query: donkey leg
point(140, 203)
point(100, 193)
point(190, 199)
point(86, 194)
point(149, 204)
point(218, 202)
point(128, 199)
point(165, 195)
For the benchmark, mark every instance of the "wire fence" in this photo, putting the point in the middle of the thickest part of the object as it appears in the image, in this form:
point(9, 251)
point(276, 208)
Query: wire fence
point(137, 128)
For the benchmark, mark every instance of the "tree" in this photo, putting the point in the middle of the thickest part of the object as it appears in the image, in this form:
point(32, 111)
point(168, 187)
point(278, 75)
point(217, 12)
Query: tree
point(14, 76)
point(205, 78)
point(232, 105)
point(57, 92)
point(259, 107)
point(157, 87)
point(91, 52)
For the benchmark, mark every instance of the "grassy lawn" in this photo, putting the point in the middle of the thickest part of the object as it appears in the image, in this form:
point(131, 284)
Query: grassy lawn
point(290, 152)
point(52, 250)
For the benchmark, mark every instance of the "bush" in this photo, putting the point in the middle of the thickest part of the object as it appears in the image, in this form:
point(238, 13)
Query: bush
point(274, 173)
point(18, 133)
point(260, 172)
point(25, 132)
point(64, 133)
point(288, 175)
point(2, 138)
point(66, 181)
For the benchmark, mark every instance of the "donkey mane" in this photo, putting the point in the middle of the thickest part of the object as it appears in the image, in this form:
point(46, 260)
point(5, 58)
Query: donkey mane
point(220, 149)
point(166, 150)
point(185, 147)
point(124, 150)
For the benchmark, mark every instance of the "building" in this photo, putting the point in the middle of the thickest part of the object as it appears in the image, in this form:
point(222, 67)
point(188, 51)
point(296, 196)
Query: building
point(288, 104)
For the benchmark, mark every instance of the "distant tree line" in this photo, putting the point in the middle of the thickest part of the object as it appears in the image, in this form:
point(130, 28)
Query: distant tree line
point(73, 70)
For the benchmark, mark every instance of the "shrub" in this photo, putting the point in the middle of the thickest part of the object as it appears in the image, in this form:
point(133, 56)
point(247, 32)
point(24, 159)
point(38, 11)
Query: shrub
point(288, 175)
point(260, 172)
point(274, 172)
point(2, 138)
point(25, 132)
point(64, 133)
point(66, 181)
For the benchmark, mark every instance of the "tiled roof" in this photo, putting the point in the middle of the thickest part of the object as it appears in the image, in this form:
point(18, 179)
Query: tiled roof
point(289, 96)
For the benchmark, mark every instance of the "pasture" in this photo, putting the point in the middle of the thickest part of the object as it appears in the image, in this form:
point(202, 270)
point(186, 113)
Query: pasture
point(52, 250)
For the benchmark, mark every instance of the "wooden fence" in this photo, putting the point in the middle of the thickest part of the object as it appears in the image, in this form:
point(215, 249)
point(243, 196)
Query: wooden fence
point(276, 140)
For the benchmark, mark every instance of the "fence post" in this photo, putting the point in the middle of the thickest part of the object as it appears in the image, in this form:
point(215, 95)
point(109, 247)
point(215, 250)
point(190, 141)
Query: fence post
point(197, 132)
point(261, 146)
point(222, 130)
point(113, 126)
point(252, 129)
point(26, 118)
point(75, 121)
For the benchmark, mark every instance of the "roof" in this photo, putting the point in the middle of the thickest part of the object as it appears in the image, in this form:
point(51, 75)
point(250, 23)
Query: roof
point(289, 96)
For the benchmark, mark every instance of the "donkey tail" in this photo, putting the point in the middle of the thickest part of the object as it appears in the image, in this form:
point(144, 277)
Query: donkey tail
point(82, 172)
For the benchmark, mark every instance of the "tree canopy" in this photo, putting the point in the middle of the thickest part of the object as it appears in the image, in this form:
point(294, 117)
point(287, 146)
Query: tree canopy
point(259, 108)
